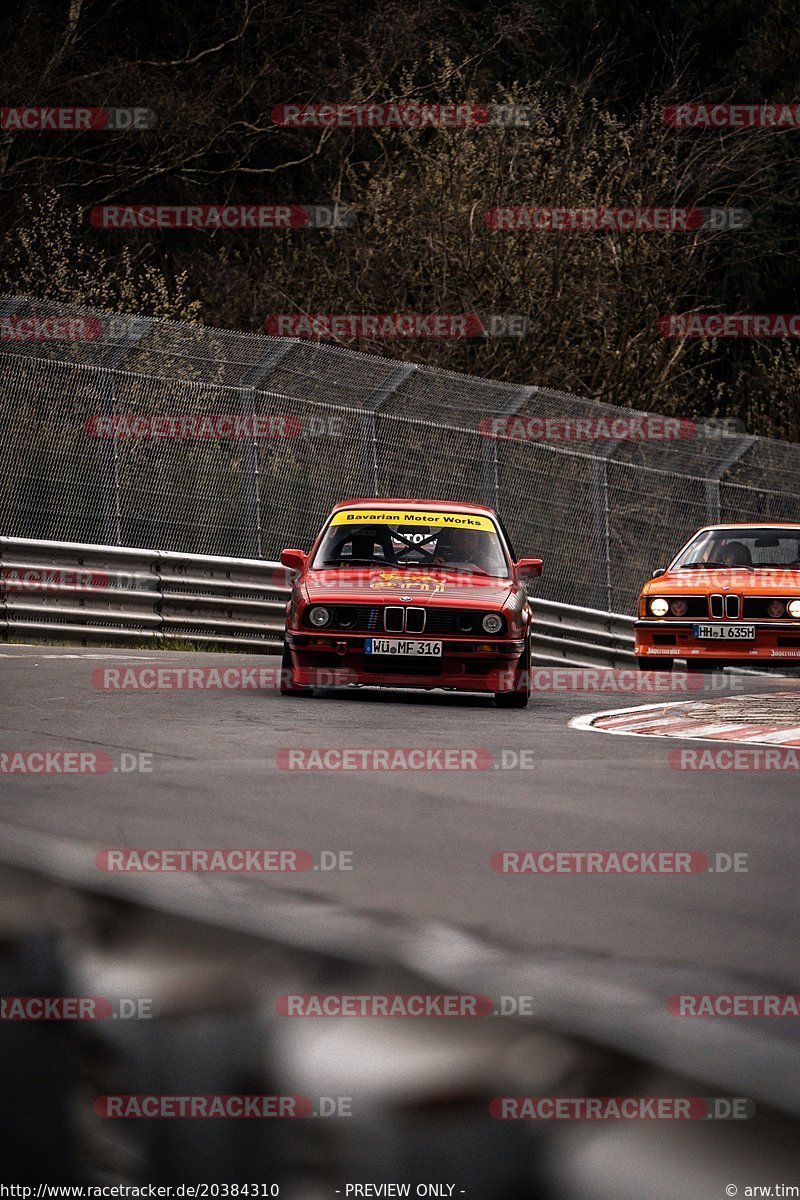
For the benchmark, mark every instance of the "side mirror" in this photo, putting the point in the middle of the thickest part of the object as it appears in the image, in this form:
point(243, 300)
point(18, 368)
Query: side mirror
point(528, 568)
point(660, 571)
point(295, 560)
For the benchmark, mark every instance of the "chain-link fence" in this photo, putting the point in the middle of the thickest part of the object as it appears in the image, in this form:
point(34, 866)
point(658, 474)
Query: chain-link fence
point(136, 431)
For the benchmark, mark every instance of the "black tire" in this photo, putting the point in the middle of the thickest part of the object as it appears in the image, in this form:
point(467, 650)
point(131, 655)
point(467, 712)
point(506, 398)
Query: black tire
point(652, 664)
point(288, 686)
point(521, 694)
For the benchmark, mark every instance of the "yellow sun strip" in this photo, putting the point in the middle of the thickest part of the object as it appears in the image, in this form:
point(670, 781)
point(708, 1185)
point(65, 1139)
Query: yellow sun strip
point(398, 516)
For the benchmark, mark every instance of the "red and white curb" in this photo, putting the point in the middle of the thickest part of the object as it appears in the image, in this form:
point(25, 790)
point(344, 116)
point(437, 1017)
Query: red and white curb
point(661, 720)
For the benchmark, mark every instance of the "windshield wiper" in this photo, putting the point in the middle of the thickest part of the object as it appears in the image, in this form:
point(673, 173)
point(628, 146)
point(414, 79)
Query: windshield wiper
point(346, 562)
point(692, 566)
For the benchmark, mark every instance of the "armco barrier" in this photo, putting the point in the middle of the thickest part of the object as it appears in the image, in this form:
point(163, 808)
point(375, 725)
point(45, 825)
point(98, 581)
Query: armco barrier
point(56, 591)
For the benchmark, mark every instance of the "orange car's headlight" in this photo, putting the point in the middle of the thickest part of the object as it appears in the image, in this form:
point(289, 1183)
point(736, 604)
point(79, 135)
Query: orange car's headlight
point(659, 607)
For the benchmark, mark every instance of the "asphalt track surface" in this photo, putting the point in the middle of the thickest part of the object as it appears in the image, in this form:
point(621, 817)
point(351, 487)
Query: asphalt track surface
point(422, 841)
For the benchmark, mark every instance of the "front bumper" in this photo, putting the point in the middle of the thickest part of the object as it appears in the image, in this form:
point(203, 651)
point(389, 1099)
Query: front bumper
point(775, 641)
point(466, 664)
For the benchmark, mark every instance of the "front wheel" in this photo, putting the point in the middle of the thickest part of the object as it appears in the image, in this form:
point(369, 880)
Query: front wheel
point(520, 692)
point(288, 685)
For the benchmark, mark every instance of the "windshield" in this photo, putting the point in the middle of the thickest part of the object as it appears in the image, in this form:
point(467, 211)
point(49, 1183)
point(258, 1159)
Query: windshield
point(413, 539)
point(745, 548)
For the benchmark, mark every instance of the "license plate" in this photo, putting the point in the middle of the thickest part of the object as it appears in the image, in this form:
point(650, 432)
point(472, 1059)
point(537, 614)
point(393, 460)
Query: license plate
point(405, 648)
point(734, 633)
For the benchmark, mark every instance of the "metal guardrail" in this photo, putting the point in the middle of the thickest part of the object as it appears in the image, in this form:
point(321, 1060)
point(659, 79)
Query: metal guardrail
point(71, 591)
point(585, 637)
point(57, 591)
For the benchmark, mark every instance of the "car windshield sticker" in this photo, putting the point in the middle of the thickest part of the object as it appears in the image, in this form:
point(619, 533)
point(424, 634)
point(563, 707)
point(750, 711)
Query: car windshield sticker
point(409, 580)
point(398, 516)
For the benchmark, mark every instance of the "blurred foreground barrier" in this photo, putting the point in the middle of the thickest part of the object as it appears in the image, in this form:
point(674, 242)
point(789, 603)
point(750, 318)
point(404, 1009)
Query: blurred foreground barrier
point(194, 977)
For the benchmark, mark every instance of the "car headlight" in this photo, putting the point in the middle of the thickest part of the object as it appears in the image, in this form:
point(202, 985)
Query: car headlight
point(794, 608)
point(659, 607)
point(492, 623)
point(776, 608)
point(678, 608)
point(319, 617)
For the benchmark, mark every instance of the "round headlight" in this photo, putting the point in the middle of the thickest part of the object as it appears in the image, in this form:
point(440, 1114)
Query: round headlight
point(794, 608)
point(319, 617)
point(492, 623)
point(776, 608)
point(659, 607)
point(678, 608)
point(465, 623)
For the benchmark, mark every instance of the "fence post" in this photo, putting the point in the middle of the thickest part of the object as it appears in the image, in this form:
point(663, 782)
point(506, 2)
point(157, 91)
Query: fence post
point(604, 450)
point(714, 478)
point(110, 359)
point(368, 426)
point(251, 481)
point(491, 474)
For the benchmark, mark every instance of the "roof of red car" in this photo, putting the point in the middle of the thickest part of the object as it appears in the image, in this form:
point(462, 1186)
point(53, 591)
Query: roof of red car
point(755, 525)
point(414, 502)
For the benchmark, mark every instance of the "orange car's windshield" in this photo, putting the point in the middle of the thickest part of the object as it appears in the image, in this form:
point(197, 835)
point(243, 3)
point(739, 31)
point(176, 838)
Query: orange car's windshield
point(746, 548)
point(476, 551)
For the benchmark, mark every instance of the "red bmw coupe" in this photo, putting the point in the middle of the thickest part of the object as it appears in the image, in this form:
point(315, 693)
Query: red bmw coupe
point(410, 594)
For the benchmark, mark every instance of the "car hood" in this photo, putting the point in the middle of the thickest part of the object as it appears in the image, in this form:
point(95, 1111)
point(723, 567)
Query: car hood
point(382, 585)
point(775, 582)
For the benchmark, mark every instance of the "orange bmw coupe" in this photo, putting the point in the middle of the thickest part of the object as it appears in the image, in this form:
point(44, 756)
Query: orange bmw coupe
point(730, 597)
